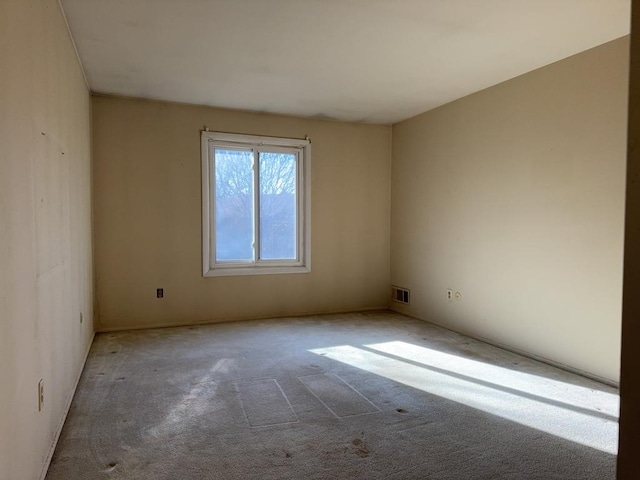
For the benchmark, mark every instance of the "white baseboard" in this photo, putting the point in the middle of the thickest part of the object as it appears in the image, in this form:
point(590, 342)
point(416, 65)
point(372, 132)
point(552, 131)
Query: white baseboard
point(124, 328)
point(45, 467)
point(524, 353)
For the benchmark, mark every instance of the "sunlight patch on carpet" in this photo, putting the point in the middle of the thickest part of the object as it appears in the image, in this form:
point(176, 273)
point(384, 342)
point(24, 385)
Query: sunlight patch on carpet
point(578, 414)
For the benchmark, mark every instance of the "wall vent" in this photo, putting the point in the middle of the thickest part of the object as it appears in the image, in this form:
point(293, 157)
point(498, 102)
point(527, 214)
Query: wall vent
point(399, 294)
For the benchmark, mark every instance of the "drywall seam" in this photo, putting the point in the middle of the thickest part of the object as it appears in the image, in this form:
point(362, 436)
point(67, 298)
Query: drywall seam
point(47, 462)
point(75, 47)
point(524, 353)
point(384, 308)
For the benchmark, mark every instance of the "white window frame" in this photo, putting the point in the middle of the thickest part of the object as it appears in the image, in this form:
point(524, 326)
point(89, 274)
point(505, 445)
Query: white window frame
point(302, 147)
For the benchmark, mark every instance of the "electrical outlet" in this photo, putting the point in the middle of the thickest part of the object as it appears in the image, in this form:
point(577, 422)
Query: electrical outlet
point(458, 296)
point(40, 394)
point(449, 294)
point(159, 292)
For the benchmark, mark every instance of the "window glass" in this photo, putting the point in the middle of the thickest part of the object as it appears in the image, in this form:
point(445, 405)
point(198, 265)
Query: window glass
point(278, 230)
point(234, 205)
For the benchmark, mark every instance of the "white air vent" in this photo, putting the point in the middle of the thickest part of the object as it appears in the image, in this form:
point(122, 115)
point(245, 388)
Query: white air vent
point(399, 294)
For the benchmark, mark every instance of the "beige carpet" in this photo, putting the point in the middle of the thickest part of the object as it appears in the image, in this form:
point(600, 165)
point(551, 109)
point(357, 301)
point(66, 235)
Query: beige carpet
point(353, 396)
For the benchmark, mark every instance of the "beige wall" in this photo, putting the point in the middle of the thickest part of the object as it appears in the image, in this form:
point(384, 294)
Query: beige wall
point(148, 217)
point(514, 196)
point(45, 230)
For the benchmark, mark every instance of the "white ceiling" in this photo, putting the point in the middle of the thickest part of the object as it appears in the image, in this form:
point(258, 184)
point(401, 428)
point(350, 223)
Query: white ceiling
point(377, 61)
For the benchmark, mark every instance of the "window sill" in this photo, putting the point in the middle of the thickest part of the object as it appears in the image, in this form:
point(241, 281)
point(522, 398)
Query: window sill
point(253, 270)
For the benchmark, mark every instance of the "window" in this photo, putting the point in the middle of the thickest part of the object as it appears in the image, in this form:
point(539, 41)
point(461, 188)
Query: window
point(255, 204)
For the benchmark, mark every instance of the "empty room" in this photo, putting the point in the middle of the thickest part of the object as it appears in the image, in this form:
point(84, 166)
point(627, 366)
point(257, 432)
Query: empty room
point(288, 239)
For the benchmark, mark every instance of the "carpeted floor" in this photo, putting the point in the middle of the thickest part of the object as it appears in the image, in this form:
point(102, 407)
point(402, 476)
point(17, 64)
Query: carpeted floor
point(351, 396)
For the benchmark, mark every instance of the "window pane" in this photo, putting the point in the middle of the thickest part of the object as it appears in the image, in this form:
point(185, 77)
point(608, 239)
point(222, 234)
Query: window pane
point(278, 206)
point(234, 205)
